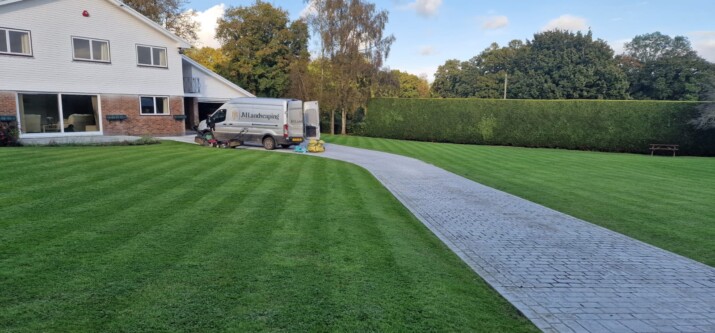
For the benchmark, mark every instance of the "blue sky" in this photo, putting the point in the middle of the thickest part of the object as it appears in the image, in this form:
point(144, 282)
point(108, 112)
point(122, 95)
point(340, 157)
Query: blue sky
point(429, 32)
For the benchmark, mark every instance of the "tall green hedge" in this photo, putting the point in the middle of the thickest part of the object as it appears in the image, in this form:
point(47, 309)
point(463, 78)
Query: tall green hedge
point(622, 126)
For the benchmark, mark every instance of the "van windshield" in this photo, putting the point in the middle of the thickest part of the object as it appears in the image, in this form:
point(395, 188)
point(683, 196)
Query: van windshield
point(218, 117)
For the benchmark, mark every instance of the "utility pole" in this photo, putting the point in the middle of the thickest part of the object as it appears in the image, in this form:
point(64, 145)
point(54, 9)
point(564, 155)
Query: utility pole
point(505, 83)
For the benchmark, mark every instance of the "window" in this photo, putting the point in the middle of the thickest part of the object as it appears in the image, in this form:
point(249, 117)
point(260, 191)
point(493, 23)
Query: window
point(151, 56)
point(218, 117)
point(58, 113)
point(15, 42)
point(154, 105)
point(90, 49)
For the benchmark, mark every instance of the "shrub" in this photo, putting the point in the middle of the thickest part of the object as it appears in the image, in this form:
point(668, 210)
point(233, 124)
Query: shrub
point(9, 135)
point(619, 126)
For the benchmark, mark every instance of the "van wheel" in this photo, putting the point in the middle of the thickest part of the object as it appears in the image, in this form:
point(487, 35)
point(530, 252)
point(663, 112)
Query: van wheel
point(269, 143)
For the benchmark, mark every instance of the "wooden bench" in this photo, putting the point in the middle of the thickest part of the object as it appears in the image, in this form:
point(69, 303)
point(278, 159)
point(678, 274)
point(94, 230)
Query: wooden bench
point(663, 146)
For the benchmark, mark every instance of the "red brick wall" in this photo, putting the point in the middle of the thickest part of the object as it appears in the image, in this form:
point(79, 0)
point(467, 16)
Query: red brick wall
point(137, 124)
point(7, 103)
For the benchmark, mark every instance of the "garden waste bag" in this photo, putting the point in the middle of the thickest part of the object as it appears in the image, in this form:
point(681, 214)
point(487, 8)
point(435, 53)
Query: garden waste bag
point(316, 146)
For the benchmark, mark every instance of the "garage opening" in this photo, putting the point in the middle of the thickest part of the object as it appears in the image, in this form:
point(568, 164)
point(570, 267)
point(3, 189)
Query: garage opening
point(205, 109)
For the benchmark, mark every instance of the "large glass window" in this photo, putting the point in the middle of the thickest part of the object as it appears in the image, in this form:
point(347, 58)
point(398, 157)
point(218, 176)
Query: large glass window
point(79, 113)
point(15, 42)
point(41, 113)
point(154, 105)
point(90, 49)
point(151, 56)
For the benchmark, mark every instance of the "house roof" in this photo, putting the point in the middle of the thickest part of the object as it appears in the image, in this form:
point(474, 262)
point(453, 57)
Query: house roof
point(216, 76)
point(139, 16)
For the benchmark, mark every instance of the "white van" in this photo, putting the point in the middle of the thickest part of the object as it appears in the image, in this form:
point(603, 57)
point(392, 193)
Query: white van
point(269, 121)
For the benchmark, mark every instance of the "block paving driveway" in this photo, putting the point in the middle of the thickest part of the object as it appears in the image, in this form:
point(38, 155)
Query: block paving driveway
point(564, 274)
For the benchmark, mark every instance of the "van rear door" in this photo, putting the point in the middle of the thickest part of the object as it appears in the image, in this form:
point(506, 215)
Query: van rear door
point(294, 121)
point(311, 120)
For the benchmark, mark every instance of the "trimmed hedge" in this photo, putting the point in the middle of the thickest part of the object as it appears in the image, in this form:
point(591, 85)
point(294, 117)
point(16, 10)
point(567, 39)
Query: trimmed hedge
point(619, 126)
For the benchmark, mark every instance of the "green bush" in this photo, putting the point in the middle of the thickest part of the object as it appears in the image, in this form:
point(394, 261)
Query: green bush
point(620, 126)
point(8, 134)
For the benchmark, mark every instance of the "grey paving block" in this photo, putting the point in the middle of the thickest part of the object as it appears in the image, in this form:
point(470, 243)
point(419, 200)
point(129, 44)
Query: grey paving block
point(563, 273)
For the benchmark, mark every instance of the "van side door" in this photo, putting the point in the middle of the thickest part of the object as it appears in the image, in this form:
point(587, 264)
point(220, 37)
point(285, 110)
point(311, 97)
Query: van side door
point(311, 120)
point(294, 121)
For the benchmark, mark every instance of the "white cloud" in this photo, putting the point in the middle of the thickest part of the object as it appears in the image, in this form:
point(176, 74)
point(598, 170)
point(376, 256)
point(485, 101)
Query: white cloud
point(566, 22)
point(425, 8)
point(427, 50)
point(704, 44)
point(495, 22)
point(208, 20)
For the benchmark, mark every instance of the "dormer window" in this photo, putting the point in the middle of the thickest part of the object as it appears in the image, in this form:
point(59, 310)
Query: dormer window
point(89, 49)
point(15, 42)
point(151, 56)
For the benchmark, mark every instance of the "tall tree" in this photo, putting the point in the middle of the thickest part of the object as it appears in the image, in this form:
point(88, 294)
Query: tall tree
point(448, 79)
point(299, 76)
point(209, 57)
point(262, 46)
point(352, 39)
point(394, 83)
point(664, 68)
point(411, 86)
point(170, 14)
point(560, 64)
point(706, 111)
point(387, 84)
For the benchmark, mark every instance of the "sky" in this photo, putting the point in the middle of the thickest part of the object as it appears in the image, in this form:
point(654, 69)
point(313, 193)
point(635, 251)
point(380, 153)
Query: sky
point(430, 32)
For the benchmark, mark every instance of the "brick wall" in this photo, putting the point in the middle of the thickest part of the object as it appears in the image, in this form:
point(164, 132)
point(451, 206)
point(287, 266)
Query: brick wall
point(138, 124)
point(7, 103)
point(128, 105)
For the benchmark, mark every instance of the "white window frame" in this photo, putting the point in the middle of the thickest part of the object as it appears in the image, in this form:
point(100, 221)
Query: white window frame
point(7, 41)
point(91, 50)
point(60, 121)
point(151, 54)
point(167, 112)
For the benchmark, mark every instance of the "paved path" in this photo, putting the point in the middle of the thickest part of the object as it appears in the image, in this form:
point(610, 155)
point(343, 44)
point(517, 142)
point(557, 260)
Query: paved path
point(564, 274)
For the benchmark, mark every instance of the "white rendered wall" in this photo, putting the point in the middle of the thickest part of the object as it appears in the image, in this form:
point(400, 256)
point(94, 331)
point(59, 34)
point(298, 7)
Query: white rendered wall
point(212, 88)
point(52, 24)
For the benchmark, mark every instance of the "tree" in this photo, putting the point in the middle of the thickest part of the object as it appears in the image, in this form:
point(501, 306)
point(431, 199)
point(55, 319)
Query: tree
point(170, 14)
point(411, 86)
point(299, 76)
point(554, 65)
point(560, 64)
point(262, 47)
point(394, 83)
point(664, 68)
point(387, 84)
point(352, 41)
point(448, 79)
point(706, 116)
point(209, 57)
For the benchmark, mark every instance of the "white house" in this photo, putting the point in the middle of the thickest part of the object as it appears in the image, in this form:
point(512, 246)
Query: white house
point(91, 67)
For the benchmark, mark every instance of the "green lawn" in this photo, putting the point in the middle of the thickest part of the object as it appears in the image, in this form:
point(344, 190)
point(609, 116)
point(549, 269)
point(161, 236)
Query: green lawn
point(175, 237)
point(667, 202)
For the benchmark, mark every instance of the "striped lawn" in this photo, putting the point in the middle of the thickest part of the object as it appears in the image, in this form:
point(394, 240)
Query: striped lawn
point(175, 237)
point(664, 201)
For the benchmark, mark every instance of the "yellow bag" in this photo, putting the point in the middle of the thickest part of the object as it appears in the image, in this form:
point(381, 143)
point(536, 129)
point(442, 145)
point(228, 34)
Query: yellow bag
point(315, 146)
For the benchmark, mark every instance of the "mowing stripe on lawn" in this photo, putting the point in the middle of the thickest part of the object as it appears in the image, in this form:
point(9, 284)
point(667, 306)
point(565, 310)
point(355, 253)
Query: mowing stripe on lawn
point(660, 200)
point(177, 237)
